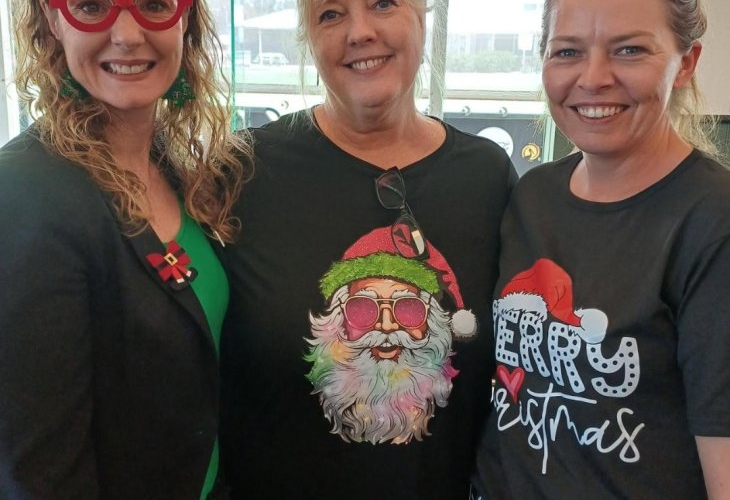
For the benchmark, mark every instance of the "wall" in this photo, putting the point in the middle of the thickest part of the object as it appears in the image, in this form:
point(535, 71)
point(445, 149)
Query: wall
point(714, 66)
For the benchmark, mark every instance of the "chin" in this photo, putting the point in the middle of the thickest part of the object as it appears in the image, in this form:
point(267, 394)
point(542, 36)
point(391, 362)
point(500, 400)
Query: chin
point(598, 144)
point(379, 100)
point(600, 149)
point(132, 105)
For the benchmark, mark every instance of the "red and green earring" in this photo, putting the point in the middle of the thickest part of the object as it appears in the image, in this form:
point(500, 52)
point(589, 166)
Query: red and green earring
point(180, 92)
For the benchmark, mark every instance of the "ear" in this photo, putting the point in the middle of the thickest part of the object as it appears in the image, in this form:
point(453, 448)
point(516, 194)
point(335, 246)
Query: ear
point(688, 65)
point(51, 17)
point(185, 15)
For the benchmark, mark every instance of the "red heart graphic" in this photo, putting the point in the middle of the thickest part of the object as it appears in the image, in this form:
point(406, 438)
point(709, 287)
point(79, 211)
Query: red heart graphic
point(512, 381)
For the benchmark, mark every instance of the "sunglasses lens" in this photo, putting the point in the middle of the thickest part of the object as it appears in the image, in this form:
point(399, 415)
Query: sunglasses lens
point(408, 238)
point(390, 189)
point(361, 312)
point(409, 312)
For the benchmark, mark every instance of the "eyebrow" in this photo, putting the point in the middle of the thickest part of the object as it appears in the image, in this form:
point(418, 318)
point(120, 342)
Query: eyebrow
point(629, 36)
point(616, 39)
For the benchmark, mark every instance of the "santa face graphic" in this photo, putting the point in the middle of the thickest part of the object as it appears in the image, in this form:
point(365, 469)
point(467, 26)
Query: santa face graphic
point(387, 306)
point(381, 383)
point(381, 351)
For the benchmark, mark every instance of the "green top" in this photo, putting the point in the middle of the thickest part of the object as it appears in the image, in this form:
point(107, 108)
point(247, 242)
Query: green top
point(211, 288)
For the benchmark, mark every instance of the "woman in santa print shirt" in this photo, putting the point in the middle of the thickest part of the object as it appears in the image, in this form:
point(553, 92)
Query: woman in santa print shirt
point(349, 320)
point(611, 318)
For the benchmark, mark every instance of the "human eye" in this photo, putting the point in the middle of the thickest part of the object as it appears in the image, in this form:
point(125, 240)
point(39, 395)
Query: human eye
point(384, 4)
point(89, 9)
point(561, 51)
point(630, 50)
point(565, 53)
point(156, 6)
point(327, 15)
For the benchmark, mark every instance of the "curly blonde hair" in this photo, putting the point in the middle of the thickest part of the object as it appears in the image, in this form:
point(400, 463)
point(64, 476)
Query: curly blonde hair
point(203, 158)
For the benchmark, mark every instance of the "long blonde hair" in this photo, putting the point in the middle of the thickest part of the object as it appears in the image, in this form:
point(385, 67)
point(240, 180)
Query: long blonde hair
point(202, 157)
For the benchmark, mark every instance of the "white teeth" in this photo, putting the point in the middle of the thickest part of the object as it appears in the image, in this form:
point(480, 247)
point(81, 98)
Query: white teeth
point(599, 112)
point(386, 344)
point(369, 64)
point(123, 69)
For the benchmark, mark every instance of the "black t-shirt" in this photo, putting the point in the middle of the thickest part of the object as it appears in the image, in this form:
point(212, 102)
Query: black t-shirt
point(306, 206)
point(611, 328)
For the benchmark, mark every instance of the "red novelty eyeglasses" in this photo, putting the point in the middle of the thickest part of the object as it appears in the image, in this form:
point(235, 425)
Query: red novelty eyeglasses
point(363, 312)
point(99, 15)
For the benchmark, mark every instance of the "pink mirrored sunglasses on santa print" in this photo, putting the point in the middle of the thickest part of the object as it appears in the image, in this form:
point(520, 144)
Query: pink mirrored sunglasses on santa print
point(99, 15)
point(364, 312)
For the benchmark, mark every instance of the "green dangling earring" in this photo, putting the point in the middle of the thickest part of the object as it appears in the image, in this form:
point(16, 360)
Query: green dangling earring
point(72, 89)
point(180, 92)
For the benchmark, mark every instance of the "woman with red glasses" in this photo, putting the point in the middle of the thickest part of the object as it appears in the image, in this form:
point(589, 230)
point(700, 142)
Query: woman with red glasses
point(112, 297)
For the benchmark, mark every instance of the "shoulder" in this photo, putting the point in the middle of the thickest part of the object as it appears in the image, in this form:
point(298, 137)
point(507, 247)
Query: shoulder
point(297, 126)
point(702, 189)
point(52, 216)
point(38, 186)
point(481, 152)
point(700, 182)
point(706, 170)
point(290, 145)
point(550, 173)
point(564, 164)
point(26, 161)
point(469, 142)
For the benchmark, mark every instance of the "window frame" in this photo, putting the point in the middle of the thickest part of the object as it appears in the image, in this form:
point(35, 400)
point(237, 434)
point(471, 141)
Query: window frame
point(9, 103)
point(277, 99)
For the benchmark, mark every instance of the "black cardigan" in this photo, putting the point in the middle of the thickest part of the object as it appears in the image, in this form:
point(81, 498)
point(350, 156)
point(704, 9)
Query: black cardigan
point(108, 378)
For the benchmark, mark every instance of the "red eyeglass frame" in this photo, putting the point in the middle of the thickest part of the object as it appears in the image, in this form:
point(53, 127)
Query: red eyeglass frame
point(117, 7)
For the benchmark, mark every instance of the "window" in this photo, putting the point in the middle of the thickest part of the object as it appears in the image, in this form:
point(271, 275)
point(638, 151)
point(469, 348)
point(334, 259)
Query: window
point(489, 49)
point(9, 107)
point(491, 57)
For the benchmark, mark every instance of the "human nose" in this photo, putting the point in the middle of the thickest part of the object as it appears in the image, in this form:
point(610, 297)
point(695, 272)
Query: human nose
point(596, 73)
point(361, 29)
point(388, 322)
point(126, 31)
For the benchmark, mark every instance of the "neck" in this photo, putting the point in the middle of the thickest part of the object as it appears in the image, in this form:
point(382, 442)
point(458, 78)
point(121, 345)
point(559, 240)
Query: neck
point(130, 139)
point(607, 177)
point(383, 137)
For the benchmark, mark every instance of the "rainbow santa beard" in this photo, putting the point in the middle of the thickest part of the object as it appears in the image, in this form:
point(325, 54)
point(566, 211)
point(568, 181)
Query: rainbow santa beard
point(378, 400)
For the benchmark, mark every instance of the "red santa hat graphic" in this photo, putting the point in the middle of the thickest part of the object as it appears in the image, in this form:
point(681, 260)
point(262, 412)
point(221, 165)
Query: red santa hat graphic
point(547, 288)
point(375, 256)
